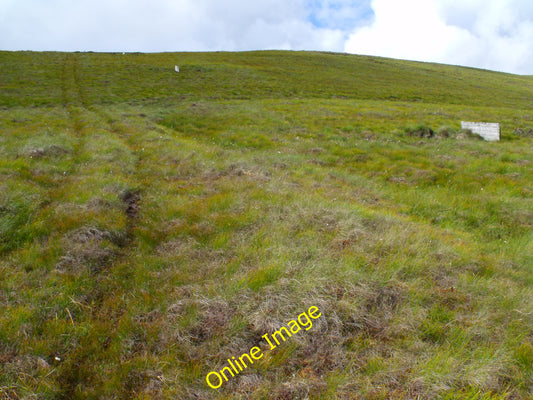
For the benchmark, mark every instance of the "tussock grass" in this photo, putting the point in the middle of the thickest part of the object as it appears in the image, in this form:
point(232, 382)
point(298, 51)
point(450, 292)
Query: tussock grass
point(154, 224)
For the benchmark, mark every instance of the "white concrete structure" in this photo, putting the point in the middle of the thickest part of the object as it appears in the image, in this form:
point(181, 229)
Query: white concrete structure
point(488, 131)
point(176, 68)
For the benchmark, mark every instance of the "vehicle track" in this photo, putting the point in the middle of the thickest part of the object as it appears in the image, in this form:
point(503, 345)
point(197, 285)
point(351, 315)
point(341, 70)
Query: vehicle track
point(76, 370)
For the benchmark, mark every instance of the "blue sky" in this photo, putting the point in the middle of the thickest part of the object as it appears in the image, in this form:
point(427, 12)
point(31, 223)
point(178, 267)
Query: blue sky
point(491, 34)
point(338, 14)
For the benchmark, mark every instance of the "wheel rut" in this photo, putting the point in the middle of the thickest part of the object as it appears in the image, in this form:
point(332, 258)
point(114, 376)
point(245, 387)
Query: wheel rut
point(107, 304)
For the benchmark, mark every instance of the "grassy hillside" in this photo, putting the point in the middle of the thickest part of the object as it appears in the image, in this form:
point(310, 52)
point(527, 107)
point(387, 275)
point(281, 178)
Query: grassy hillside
point(154, 225)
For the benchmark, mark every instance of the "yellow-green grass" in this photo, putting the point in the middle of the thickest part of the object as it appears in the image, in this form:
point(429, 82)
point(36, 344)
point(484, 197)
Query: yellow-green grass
point(155, 224)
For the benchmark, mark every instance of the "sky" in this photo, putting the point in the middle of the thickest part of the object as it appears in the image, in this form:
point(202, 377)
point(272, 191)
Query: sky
point(489, 34)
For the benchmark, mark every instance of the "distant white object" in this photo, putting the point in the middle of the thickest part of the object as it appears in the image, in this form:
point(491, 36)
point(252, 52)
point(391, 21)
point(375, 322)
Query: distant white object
point(488, 131)
point(176, 68)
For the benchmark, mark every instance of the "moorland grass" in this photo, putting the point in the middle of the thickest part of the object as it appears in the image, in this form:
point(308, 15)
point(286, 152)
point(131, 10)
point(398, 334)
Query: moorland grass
point(153, 224)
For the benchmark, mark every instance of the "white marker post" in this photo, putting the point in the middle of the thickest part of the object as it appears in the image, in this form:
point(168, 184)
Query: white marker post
point(176, 68)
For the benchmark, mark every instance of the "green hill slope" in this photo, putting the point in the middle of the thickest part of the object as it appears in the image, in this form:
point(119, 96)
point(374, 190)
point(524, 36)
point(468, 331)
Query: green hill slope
point(155, 224)
point(119, 78)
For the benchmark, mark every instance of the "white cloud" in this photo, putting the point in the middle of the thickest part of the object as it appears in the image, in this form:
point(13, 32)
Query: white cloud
point(161, 25)
point(492, 34)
